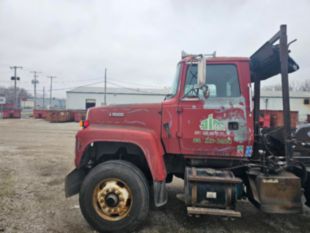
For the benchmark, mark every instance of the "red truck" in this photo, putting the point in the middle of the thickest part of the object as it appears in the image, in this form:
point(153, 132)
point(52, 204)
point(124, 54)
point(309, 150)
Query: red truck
point(206, 131)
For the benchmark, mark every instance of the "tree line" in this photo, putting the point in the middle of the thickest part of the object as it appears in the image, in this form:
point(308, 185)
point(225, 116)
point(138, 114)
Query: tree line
point(9, 94)
point(294, 86)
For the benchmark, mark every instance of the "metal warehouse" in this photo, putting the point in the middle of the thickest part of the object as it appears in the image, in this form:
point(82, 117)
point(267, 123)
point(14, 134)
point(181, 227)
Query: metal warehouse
point(85, 97)
point(299, 101)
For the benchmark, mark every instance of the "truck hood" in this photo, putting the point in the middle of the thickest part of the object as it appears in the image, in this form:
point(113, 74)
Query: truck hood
point(134, 115)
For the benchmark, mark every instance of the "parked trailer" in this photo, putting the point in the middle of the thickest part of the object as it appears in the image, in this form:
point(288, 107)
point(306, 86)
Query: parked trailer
point(40, 113)
point(60, 115)
point(9, 111)
point(78, 115)
point(57, 116)
point(274, 118)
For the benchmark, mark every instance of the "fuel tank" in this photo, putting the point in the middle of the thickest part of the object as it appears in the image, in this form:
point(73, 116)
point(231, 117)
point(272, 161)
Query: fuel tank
point(211, 188)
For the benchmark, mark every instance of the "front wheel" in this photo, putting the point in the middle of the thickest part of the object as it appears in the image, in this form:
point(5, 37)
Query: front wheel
point(114, 197)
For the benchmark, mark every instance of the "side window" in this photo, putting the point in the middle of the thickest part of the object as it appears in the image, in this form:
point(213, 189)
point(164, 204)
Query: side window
point(222, 80)
point(174, 87)
point(191, 80)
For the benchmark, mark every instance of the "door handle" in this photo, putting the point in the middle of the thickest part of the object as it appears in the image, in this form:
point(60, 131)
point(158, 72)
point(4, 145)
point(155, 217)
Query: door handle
point(167, 129)
point(233, 125)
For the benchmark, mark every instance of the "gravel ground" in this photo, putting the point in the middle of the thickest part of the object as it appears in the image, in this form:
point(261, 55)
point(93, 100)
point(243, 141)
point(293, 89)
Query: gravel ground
point(35, 156)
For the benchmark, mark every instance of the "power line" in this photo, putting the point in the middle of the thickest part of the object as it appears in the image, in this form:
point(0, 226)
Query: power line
point(131, 88)
point(15, 78)
point(108, 82)
point(136, 84)
point(68, 88)
point(115, 80)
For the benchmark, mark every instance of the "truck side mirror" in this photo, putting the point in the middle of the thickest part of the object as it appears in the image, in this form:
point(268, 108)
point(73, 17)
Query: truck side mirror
point(201, 67)
point(205, 91)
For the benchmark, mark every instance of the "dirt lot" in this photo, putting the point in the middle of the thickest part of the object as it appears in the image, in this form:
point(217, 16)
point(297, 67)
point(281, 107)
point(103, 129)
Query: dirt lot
point(35, 156)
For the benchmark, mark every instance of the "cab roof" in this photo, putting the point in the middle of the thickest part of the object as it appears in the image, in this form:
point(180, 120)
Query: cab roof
point(220, 59)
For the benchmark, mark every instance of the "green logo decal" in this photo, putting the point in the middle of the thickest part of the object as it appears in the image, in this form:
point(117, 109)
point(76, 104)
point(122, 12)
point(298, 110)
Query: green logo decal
point(212, 124)
point(196, 140)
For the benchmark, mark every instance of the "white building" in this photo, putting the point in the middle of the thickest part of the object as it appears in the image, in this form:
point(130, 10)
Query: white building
point(41, 103)
point(299, 101)
point(84, 97)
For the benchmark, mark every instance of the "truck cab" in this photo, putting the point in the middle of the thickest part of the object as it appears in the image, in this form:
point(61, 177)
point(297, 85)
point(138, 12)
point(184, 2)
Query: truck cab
point(216, 122)
point(206, 131)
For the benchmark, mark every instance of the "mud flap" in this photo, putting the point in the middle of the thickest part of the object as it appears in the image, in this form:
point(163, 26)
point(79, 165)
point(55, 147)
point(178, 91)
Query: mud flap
point(160, 193)
point(74, 181)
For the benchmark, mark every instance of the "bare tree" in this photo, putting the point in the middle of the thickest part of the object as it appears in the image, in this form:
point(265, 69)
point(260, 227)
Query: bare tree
point(304, 86)
point(294, 86)
point(9, 94)
point(276, 87)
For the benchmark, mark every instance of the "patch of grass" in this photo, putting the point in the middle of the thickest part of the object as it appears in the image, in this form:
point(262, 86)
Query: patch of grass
point(6, 185)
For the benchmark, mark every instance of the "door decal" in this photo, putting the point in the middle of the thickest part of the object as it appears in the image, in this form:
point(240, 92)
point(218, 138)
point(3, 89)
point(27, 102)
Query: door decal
point(212, 124)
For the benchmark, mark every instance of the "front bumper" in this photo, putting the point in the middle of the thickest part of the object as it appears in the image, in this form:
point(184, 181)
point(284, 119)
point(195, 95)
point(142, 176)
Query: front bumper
point(73, 182)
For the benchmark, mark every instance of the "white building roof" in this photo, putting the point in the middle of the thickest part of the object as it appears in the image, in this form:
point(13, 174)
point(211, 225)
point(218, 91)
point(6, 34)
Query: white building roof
point(165, 91)
point(112, 90)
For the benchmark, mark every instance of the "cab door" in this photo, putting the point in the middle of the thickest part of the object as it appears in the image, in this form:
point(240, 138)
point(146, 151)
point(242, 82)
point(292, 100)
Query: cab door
point(214, 125)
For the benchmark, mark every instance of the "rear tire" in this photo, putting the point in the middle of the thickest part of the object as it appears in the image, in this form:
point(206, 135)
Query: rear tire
point(114, 197)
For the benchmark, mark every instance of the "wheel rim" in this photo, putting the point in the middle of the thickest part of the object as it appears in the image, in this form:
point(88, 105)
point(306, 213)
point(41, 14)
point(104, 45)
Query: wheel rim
point(112, 199)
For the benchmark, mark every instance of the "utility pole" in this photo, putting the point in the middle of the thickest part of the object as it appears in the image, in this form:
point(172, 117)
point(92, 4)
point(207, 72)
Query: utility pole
point(15, 78)
point(51, 89)
point(43, 97)
point(35, 82)
point(105, 86)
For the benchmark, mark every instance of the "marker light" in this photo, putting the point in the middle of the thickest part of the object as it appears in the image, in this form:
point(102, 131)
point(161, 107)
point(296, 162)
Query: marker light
point(84, 124)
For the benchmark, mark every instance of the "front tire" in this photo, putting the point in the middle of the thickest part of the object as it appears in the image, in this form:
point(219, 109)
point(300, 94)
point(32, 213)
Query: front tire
point(114, 197)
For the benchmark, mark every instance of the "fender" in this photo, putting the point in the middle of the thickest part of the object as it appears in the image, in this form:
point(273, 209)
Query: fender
point(145, 139)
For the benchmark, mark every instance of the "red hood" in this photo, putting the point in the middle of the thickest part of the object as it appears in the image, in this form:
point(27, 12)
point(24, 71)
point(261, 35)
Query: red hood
point(138, 115)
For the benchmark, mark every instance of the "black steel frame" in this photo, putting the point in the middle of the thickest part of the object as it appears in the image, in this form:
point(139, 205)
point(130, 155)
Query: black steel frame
point(280, 36)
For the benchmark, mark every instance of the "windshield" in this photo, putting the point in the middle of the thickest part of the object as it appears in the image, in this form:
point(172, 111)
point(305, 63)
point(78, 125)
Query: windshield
point(221, 79)
point(174, 87)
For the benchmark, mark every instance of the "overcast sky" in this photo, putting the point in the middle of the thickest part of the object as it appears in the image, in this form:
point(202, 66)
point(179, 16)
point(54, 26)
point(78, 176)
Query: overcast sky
point(139, 42)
